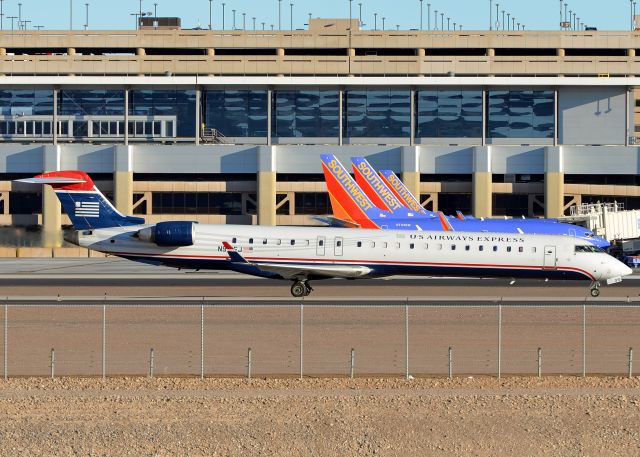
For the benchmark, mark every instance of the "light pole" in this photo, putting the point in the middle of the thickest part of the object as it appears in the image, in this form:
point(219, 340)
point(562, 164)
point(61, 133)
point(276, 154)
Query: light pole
point(210, 14)
point(254, 23)
point(560, 23)
point(631, 12)
point(502, 19)
point(234, 19)
point(1, 15)
point(279, 14)
point(136, 19)
point(497, 16)
point(448, 23)
point(350, 15)
point(490, 14)
point(513, 23)
point(263, 26)
point(70, 15)
point(428, 16)
point(570, 21)
point(291, 16)
point(223, 15)
point(441, 21)
point(244, 21)
point(375, 21)
point(435, 20)
point(86, 22)
point(420, 14)
point(19, 15)
point(360, 14)
point(155, 12)
point(383, 19)
point(508, 20)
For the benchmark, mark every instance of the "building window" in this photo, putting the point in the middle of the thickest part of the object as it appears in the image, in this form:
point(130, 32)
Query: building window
point(99, 102)
point(180, 104)
point(306, 113)
point(449, 114)
point(312, 203)
point(377, 113)
point(26, 102)
point(520, 114)
point(236, 113)
point(227, 203)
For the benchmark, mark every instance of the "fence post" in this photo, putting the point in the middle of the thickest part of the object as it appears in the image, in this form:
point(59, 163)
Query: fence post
point(406, 339)
point(53, 363)
point(151, 363)
point(6, 341)
point(630, 362)
point(353, 362)
point(539, 362)
point(500, 340)
point(450, 362)
point(584, 339)
point(104, 341)
point(202, 341)
point(249, 360)
point(301, 340)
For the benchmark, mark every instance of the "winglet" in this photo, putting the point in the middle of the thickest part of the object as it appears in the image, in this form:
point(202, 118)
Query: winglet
point(234, 255)
point(446, 225)
point(460, 216)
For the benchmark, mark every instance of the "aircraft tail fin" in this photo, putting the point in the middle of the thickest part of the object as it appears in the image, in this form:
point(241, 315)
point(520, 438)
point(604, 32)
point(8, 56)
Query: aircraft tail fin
point(375, 188)
point(460, 216)
point(446, 224)
point(86, 206)
point(352, 202)
point(401, 192)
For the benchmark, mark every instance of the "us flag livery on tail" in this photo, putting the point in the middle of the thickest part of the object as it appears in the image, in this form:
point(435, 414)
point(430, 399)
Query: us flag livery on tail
point(303, 254)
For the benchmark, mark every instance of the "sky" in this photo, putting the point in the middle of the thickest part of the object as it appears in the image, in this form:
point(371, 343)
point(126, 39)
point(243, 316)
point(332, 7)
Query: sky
point(471, 14)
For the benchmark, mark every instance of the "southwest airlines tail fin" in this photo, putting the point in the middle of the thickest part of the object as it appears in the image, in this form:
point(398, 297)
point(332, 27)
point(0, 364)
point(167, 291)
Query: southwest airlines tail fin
point(402, 193)
point(82, 201)
point(347, 198)
point(375, 187)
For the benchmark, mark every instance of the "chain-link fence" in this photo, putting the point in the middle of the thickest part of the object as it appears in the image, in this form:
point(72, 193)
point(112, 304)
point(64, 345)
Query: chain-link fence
point(318, 340)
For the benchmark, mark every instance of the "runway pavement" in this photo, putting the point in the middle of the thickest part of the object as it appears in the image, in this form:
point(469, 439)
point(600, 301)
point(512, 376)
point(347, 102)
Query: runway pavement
point(122, 278)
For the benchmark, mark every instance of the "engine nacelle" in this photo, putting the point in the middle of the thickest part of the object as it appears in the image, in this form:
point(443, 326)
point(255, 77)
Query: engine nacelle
point(178, 233)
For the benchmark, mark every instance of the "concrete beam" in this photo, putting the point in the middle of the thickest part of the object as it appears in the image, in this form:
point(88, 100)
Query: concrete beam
point(51, 209)
point(554, 182)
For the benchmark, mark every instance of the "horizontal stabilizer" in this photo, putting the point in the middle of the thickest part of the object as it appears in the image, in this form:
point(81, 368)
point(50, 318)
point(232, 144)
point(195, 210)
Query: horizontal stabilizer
point(333, 221)
point(234, 255)
point(51, 180)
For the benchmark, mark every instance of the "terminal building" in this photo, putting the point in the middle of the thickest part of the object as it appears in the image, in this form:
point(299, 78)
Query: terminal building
point(227, 126)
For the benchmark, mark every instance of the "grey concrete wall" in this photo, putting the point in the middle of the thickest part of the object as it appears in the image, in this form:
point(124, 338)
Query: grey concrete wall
point(592, 115)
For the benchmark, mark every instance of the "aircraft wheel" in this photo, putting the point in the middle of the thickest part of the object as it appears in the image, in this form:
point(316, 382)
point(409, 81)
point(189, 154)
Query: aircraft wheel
point(299, 289)
point(595, 292)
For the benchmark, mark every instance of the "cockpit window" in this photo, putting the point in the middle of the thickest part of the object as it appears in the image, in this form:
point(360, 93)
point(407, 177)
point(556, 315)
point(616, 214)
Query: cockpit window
point(588, 248)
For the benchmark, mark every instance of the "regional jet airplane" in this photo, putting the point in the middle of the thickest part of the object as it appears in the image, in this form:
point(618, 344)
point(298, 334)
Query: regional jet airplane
point(301, 254)
point(373, 205)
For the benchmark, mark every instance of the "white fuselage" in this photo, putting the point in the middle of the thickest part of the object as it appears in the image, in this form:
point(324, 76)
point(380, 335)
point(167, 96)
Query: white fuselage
point(374, 252)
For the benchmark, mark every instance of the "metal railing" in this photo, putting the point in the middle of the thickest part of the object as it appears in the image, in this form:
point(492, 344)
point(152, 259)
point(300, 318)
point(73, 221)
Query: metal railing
point(319, 340)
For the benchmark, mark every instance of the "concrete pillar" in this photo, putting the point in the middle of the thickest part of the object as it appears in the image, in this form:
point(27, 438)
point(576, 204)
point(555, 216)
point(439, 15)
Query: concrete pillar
point(266, 183)
point(631, 52)
point(71, 51)
point(351, 52)
point(141, 52)
point(491, 52)
point(123, 179)
point(422, 52)
point(280, 52)
point(553, 182)
point(560, 52)
point(51, 209)
point(482, 193)
point(411, 169)
point(211, 52)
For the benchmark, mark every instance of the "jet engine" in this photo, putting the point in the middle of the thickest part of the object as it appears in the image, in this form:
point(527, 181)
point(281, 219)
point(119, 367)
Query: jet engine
point(173, 233)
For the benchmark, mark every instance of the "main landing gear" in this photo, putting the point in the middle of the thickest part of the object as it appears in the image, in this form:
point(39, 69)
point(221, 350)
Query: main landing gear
point(595, 289)
point(301, 289)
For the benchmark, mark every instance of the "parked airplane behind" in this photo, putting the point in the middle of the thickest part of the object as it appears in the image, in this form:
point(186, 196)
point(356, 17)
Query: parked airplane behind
point(301, 254)
point(360, 210)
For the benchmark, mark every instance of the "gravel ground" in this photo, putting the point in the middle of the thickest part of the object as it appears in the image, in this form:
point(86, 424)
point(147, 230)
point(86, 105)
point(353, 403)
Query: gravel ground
point(483, 416)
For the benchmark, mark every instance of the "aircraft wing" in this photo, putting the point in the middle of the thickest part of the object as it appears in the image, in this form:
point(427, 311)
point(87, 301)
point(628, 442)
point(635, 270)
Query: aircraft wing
point(293, 271)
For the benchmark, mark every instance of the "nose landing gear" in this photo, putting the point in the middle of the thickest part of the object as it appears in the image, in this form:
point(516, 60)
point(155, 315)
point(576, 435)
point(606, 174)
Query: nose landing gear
point(301, 289)
point(595, 289)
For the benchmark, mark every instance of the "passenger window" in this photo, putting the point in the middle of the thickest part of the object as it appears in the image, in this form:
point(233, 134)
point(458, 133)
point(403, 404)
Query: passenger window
point(278, 242)
point(250, 240)
point(453, 247)
point(439, 246)
point(321, 243)
point(338, 243)
point(533, 249)
point(467, 247)
point(293, 242)
point(495, 249)
point(234, 240)
point(480, 248)
point(520, 249)
point(397, 245)
point(426, 245)
point(508, 248)
point(385, 245)
point(359, 244)
point(372, 244)
point(264, 241)
point(411, 246)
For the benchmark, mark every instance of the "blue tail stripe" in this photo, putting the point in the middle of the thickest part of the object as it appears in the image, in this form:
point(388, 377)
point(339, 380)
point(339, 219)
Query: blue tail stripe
point(91, 210)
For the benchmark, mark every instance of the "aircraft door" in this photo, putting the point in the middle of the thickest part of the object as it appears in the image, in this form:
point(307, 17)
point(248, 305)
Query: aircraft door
point(320, 246)
point(337, 250)
point(549, 258)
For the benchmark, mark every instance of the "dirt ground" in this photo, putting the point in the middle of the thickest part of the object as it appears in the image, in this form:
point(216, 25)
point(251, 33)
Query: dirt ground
point(559, 416)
